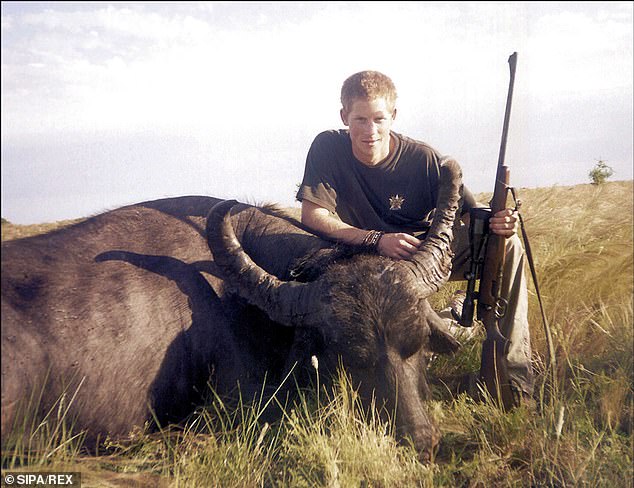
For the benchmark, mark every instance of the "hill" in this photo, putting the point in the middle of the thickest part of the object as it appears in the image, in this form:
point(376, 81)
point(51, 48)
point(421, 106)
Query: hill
point(553, 201)
point(12, 231)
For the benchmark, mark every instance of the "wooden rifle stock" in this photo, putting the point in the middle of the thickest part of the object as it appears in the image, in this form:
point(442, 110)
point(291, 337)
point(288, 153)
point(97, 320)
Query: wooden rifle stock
point(492, 306)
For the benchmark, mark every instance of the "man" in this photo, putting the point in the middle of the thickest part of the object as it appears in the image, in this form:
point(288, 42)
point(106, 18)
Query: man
point(371, 186)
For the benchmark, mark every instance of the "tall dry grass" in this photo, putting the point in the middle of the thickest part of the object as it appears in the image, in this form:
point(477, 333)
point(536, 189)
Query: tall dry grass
point(578, 434)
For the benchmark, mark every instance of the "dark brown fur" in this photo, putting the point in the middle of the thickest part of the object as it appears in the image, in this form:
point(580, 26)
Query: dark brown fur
point(129, 309)
point(128, 305)
point(365, 311)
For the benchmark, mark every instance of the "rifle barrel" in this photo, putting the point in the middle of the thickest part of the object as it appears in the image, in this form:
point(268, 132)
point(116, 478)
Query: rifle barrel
point(507, 113)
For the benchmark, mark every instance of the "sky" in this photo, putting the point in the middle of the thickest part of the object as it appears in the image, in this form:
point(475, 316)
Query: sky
point(107, 104)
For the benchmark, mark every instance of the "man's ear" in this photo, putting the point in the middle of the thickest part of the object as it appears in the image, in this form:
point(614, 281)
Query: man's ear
point(344, 116)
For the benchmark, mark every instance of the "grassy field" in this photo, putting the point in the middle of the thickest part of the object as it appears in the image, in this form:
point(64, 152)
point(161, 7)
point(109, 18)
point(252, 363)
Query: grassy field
point(579, 434)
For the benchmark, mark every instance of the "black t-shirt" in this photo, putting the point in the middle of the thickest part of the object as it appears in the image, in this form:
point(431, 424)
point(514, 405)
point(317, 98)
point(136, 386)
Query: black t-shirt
point(396, 195)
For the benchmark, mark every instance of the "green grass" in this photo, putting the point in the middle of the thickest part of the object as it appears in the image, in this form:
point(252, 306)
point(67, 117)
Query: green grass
point(39, 437)
point(579, 434)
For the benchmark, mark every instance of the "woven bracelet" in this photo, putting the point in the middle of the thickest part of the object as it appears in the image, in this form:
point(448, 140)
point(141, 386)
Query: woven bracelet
point(371, 240)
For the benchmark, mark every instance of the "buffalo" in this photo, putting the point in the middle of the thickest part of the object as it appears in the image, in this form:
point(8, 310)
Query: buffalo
point(134, 313)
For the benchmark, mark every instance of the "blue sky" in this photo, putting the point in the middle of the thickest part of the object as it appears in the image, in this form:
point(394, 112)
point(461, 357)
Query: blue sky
point(106, 104)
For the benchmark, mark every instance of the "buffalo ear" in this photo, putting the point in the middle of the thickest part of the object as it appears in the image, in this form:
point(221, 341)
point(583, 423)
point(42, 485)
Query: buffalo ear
point(440, 339)
point(310, 267)
point(443, 342)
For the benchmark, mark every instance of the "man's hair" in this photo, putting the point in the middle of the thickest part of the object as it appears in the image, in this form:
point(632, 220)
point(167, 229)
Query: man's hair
point(368, 85)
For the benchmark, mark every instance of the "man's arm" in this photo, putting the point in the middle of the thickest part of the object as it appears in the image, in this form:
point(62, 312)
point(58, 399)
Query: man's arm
point(394, 245)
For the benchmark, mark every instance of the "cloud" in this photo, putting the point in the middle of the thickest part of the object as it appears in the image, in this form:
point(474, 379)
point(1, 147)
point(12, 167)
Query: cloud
point(252, 83)
point(132, 65)
point(574, 52)
point(145, 66)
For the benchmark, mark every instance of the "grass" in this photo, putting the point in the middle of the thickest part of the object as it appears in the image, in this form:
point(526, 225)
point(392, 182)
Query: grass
point(38, 437)
point(579, 434)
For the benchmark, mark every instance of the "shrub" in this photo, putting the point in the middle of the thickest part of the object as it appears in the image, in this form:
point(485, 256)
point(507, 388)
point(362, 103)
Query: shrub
point(600, 173)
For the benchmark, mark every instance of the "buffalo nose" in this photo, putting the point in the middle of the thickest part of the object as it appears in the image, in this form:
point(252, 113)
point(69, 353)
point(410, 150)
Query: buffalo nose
point(427, 445)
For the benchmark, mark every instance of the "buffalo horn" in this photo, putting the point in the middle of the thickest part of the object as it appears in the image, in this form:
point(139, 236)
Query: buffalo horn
point(432, 262)
point(286, 302)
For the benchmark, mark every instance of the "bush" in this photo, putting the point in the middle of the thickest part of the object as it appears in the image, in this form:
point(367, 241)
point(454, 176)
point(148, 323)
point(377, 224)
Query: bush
point(600, 173)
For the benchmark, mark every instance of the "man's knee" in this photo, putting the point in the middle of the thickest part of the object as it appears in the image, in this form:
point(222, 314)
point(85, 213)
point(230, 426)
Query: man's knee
point(514, 243)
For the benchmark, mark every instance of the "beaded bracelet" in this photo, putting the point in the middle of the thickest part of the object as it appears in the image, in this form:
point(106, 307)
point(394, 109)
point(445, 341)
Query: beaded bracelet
point(371, 240)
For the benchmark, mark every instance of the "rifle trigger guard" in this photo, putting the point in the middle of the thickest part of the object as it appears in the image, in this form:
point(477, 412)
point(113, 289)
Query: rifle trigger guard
point(500, 308)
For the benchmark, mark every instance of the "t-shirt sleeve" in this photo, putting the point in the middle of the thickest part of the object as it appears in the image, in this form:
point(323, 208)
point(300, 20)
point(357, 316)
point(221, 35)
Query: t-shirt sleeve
point(317, 184)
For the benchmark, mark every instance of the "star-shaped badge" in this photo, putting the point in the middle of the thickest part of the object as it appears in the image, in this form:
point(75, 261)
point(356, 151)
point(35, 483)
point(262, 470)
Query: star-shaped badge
point(396, 202)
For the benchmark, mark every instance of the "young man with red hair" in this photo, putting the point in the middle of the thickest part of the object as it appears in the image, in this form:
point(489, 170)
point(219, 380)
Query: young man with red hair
point(368, 185)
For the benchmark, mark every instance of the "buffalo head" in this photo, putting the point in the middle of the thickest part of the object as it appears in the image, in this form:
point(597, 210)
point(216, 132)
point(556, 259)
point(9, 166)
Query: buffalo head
point(371, 313)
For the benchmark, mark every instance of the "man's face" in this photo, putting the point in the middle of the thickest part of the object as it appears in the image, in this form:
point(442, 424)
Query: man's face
point(369, 123)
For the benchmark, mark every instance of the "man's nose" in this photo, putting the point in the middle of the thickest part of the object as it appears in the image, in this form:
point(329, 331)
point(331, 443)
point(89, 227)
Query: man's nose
point(371, 127)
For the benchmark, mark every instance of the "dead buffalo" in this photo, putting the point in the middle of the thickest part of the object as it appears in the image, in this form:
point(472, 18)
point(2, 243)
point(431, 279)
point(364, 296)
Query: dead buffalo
point(129, 313)
point(367, 312)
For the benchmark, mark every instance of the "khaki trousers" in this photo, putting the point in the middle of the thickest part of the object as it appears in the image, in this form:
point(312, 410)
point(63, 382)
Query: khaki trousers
point(514, 324)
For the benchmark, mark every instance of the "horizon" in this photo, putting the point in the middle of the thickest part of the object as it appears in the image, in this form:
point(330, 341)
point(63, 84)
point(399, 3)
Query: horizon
point(520, 196)
point(105, 105)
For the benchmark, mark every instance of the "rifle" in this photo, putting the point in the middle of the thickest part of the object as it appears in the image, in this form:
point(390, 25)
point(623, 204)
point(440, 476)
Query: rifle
point(487, 262)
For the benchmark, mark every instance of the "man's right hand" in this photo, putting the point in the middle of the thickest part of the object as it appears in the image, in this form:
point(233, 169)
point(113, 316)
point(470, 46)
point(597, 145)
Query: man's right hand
point(398, 245)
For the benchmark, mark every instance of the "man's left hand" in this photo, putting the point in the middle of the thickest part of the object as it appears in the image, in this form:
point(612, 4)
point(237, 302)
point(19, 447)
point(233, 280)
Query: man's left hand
point(504, 223)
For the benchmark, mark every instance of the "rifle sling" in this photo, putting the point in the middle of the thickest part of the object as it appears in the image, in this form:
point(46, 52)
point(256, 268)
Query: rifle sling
point(531, 264)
